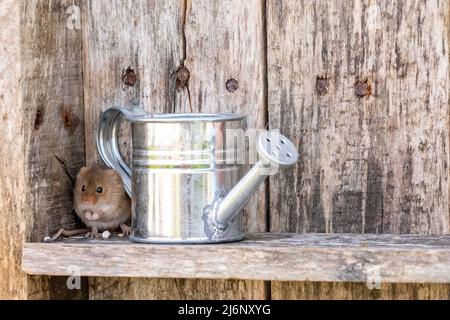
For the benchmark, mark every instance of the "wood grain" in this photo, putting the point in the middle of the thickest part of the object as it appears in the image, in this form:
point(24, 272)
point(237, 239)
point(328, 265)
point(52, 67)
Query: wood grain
point(358, 291)
point(42, 115)
point(265, 256)
point(155, 39)
point(362, 87)
point(175, 289)
point(226, 57)
point(13, 283)
point(144, 36)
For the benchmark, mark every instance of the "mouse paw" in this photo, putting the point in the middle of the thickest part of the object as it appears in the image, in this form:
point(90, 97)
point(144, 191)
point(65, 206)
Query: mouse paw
point(125, 229)
point(94, 234)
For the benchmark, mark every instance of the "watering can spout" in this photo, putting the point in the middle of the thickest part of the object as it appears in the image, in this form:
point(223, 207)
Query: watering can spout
point(275, 152)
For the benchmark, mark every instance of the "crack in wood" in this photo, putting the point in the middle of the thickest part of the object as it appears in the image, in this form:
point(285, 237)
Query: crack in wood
point(182, 72)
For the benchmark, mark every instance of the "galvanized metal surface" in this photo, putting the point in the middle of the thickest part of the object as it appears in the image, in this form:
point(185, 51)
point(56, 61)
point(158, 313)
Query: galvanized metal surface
point(185, 179)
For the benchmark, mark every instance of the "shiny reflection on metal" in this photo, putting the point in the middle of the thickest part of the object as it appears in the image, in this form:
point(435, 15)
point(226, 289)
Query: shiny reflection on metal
point(137, 115)
point(183, 187)
point(275, 151)
point(107, 143)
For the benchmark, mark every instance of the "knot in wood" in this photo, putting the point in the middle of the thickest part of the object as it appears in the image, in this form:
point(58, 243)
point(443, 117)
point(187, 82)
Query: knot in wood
point(39, 118)
point(66, 118)
point(232, 85)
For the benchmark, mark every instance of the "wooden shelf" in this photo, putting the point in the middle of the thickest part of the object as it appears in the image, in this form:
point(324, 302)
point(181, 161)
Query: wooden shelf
point(265, 256)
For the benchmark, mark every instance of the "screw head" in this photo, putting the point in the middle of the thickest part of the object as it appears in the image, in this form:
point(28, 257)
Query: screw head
point(232, 85)
point(321, 85)
point(129, 77)
point(183, 74)
point(362, 88)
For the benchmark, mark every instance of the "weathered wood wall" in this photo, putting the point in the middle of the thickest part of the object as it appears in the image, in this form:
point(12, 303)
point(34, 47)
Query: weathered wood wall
point(155, 39)
point(13, 284)
point(362, 87)
point(42, 119)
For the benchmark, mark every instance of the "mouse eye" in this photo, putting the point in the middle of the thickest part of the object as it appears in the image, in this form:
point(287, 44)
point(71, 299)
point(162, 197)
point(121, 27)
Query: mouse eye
point(99, 190)
point(83, 188)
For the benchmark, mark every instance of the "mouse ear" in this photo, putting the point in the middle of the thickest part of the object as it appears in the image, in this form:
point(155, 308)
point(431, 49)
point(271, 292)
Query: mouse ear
point(83, 170)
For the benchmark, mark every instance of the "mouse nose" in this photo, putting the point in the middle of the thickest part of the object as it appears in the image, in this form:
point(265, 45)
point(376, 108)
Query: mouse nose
point(88, 199)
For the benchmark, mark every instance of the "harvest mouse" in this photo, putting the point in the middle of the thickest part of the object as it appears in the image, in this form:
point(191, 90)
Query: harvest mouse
point(100, 201)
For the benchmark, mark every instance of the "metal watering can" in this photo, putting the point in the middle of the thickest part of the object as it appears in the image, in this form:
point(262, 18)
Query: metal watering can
point(185, 183)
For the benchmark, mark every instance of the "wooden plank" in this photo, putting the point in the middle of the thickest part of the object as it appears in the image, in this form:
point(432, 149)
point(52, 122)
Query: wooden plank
point(144, 36)
point(263, 256)
point(175, 289)
point(155, 39)
point(13, 283)
point(357, 291)
point(225, 55)
point(362, 87)
point(41, 108)
point(226, 58)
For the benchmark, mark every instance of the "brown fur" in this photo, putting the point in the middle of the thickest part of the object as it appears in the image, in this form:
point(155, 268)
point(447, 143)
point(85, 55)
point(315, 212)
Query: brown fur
point(106, 210)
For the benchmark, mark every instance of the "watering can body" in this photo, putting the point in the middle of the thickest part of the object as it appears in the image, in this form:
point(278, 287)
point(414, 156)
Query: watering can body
point(183, 171)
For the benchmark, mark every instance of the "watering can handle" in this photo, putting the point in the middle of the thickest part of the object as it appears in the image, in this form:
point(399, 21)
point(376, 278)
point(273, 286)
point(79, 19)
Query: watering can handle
point(107, 142)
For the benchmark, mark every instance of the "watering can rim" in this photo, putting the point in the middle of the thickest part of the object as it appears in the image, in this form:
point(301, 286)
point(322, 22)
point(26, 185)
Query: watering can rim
point(138, 115)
